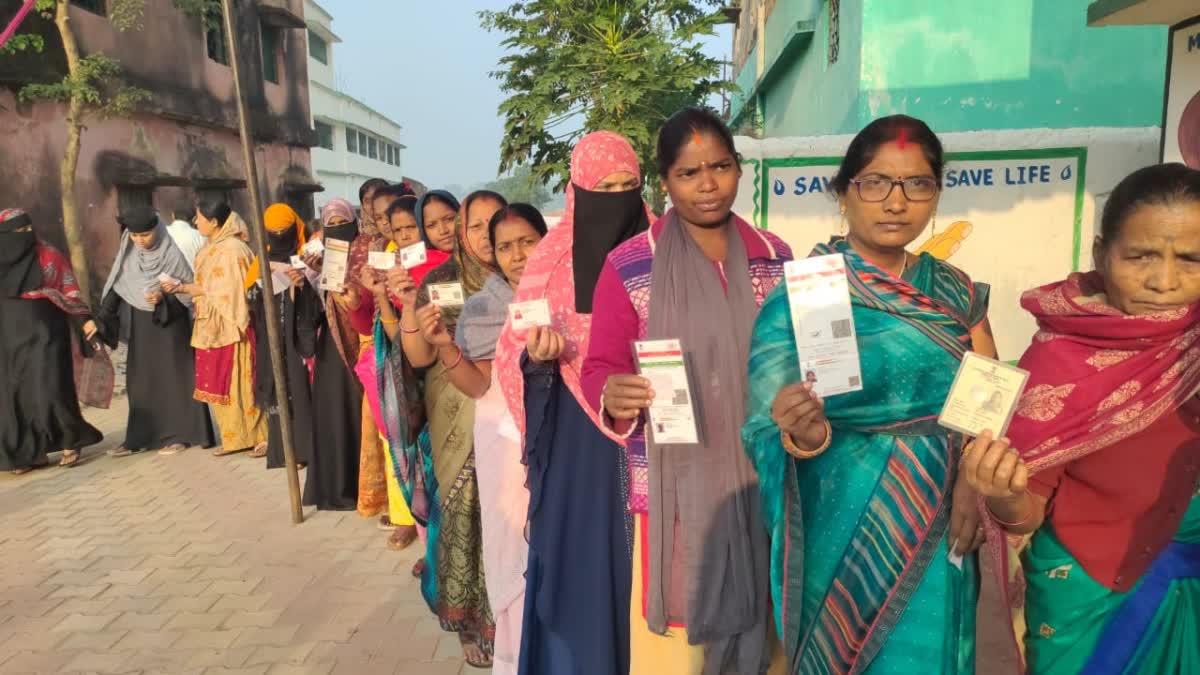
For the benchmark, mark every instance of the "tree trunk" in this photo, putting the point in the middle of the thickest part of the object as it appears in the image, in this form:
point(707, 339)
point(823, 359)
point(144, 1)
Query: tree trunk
point(76, 246)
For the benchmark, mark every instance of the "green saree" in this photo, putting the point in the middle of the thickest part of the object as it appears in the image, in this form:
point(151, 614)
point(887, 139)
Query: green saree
point(860, 575)
point(1069, 613)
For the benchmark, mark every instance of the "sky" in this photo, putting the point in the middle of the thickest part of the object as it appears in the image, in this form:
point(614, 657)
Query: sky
point(426, 65)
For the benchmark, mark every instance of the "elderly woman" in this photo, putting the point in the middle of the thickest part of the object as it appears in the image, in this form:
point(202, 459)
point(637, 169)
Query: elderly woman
point(1102, 458)
point(223, 334)
point(43, 310)
point(866, 480)
point(160, 376)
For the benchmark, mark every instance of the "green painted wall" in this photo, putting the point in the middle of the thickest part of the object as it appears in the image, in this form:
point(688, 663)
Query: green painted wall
point(965, 65)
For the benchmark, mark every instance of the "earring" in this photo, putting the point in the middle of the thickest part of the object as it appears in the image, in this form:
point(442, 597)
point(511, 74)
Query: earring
point(842, 226)
point(934, 233)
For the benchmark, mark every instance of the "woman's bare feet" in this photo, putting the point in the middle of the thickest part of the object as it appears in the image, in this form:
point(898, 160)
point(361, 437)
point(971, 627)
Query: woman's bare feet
point(473, 653)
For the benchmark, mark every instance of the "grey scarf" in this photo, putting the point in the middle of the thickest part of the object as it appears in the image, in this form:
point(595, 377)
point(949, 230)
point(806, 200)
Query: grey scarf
point(482, 319)
point(136, 269)
point(713, 576)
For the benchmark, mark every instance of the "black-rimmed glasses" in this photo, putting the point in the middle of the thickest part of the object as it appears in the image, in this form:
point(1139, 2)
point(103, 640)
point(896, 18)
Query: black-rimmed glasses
point(879, 188)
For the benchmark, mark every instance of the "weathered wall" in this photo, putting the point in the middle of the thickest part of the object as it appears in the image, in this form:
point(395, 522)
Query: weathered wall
point(184, 139)
point(1019, 208)
point(32, 139)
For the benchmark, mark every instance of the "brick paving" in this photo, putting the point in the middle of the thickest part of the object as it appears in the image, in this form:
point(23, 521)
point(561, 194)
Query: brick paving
point(190, 564)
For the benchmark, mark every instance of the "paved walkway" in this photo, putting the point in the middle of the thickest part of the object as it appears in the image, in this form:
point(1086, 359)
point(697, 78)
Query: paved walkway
point(190, 564)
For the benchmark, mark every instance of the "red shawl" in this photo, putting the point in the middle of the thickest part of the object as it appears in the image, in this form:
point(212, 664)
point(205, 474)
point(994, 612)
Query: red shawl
point(1097, 377)
point(94, 375)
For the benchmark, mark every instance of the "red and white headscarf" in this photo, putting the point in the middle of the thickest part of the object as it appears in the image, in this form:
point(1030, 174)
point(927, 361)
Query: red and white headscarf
point(549, 274)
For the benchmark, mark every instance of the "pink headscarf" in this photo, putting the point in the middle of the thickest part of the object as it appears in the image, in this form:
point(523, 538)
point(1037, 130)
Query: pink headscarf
point(550, 274)
point(337, 207)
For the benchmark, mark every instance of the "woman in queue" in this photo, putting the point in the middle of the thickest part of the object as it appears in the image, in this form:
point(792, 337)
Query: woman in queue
point(698, 275)
point(454, 574)
point(580, 535)
point(468, 354)
point(898, 509)
point(223, 334)
point(160, 373)
point(1101, 462)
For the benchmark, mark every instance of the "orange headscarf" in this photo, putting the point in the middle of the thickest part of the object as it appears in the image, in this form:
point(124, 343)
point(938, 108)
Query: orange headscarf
point(278, 218)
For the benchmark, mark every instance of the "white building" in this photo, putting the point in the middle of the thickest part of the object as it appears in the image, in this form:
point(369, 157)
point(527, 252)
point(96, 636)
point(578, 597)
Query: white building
point(355, 142)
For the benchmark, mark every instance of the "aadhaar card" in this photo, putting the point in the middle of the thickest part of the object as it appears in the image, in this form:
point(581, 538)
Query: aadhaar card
point(984, 396)
point(672, 416)
point(446, 295)
point(333, 270)
point(313, 247)
point(823, 322)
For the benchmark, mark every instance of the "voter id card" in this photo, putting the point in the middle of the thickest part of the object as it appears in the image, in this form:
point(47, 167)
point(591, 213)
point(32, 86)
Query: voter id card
point(413, 256)
point(446, 295)
point(984, 396)
point(672, 416)
point(823, 321)
point(526, 315)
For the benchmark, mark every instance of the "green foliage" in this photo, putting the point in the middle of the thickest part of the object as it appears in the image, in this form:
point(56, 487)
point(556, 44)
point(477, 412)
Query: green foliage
point(20, 43)
point(576, 66)
point(521, 186)
point(93, 73)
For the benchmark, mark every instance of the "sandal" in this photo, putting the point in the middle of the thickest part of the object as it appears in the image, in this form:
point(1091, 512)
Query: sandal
point(222, 452)
point(259, 451)
point(119, 452)
point(22, 471)
point(69, 458)
point(173, 449)
point(385, 523)
point(402, 538)
point(418, 568)
point(473, 654)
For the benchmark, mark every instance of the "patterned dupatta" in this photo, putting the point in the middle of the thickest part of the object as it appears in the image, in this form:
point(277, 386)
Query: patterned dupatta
point(1097, 377)
point(94, 372)
point(912, 334)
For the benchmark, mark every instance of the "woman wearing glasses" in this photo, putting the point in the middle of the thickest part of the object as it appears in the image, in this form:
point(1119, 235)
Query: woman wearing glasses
point(867, 518)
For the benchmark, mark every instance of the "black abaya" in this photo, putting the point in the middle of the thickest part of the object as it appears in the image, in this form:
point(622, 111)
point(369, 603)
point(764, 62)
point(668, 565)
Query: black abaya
point(39, 408)
point(332, 480)
point(160, 374)
point(298, 317)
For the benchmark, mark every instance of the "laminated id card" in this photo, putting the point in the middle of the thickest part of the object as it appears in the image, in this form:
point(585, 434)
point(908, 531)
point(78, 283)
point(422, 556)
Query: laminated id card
point(412, 256)
point(381, 260)
point(526, 315)
point(823, 321)
point(446, 295)
point(672, 417)
point(333, 272)
point(984, 396)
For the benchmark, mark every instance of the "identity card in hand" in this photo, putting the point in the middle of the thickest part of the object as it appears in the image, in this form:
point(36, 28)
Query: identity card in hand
point(313, 247)
point(412, 256)
point(381, 260)
point(333, 271)
point(672, 417)
point(526, 315)
point(298, 264)
point(984, 396)
point(819, 297)
point(164, 278)
point(446, 295)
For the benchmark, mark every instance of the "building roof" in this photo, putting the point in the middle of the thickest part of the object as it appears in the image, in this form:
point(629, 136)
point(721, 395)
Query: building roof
point(1135, 12)
point(323, 26)
point(347, 97)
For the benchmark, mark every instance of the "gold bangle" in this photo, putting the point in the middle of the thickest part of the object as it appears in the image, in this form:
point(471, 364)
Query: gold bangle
point(790, 447)
point(385, 322)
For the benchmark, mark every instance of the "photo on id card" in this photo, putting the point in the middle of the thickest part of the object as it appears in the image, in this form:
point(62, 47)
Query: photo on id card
point(672, 417)
point(983, 397)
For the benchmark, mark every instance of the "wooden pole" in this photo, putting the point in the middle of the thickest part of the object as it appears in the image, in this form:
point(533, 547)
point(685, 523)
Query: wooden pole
point(264, 268)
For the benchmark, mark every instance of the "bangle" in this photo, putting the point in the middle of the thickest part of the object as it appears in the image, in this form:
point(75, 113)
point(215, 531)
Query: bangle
point(455, 364)
point(1024, 521)
point(604, 416)
point(409, 331)
point(795, 451)
point(385, 322)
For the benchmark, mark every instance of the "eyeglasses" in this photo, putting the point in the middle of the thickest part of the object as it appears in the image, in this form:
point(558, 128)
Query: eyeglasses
point(879, 188)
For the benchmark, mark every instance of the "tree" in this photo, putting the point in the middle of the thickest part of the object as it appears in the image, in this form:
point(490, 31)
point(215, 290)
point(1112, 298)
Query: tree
point(522, 186)
point(582, 65)
point(92, 86)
